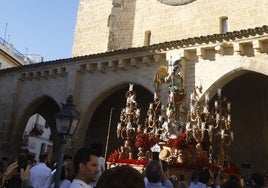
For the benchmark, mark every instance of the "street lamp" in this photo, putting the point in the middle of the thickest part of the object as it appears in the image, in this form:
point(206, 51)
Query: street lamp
point(67, 121)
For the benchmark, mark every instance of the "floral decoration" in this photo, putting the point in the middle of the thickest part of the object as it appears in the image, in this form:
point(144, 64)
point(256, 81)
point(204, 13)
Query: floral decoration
point(180, 141)
point(145, 140)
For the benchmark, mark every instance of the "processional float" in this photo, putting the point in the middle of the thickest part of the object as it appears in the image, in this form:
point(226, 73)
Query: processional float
point(185, 139)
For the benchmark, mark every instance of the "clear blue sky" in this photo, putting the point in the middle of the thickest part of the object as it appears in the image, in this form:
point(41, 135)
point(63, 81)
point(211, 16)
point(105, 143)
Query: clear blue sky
point(44, 27)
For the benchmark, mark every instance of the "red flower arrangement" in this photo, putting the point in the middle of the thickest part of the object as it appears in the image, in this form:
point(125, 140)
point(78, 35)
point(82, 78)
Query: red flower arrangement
point(145, 140)
point(180, 142)
point(114, 157)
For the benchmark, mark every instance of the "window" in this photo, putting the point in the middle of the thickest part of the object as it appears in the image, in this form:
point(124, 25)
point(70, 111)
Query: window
point(224, 24)
point(147, 39)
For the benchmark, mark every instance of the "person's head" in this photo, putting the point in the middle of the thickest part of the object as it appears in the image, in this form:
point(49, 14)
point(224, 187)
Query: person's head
point(195, 176)
point(5, 160)
point(67, 160)
point(45, 158)
point(257, 179)
point(85, 164)
point(98, 147)
point(153, 171)
point(121, 177)
point(204, 175)
point(231, 184)
point(177, 66)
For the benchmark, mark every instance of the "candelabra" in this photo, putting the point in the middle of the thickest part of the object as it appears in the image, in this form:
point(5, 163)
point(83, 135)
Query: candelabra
point(210, 126)
point(129, 124)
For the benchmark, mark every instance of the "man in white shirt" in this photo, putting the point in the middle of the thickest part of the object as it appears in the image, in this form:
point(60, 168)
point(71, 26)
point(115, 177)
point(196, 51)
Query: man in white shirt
point(85, 167)
point(40, 174)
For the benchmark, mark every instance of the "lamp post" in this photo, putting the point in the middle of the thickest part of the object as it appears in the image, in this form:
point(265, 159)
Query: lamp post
point(67, 121)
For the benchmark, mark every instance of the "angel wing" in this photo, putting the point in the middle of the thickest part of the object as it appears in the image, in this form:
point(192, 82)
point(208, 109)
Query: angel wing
point(161, 73)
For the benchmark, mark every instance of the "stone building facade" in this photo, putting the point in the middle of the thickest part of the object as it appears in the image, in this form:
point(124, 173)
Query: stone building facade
point(124, 41)
point(116, 24)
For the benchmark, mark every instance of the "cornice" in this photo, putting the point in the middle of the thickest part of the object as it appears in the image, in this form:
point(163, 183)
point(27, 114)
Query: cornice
point(160, 47)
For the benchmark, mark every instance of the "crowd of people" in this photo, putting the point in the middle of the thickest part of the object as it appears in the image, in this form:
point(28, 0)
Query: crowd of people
point(87, 170)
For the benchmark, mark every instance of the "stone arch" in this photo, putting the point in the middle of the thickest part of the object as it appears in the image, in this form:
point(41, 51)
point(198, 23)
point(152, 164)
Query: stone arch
point(110, 105)
point(231, 75)
point(47, 107)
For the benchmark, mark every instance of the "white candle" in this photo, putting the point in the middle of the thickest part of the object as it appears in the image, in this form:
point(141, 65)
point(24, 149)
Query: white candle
point(205, 110)
point(131, 87)
point(219, 92)
point(187, 126)
point(217, 117)
point(191, 96)
point(229, 118)
point(232, 135)
point(222, 133)
point(203, 126)
point(151, 106)
point(207, 97)
point(216, 104)
point(138, 112)
point(119, 126)
point(210, 127)
point(228, 106)
point(155, 96)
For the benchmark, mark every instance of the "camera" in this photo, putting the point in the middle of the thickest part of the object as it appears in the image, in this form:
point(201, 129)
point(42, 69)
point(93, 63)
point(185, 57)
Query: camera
point(23, 158)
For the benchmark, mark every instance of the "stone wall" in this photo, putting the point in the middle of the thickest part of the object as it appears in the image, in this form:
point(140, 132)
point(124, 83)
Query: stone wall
point(109, 25)
point(92, 27)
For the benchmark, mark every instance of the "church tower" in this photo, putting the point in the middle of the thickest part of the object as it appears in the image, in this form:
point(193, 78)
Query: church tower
point(103, 25)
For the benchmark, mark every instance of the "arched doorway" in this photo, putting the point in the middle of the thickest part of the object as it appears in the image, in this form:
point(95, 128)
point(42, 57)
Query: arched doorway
point(249, 96)
point(46, 107)
point(110, 108)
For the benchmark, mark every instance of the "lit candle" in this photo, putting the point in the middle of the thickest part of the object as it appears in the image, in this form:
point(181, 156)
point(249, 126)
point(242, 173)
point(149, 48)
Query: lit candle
point(151, 106)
